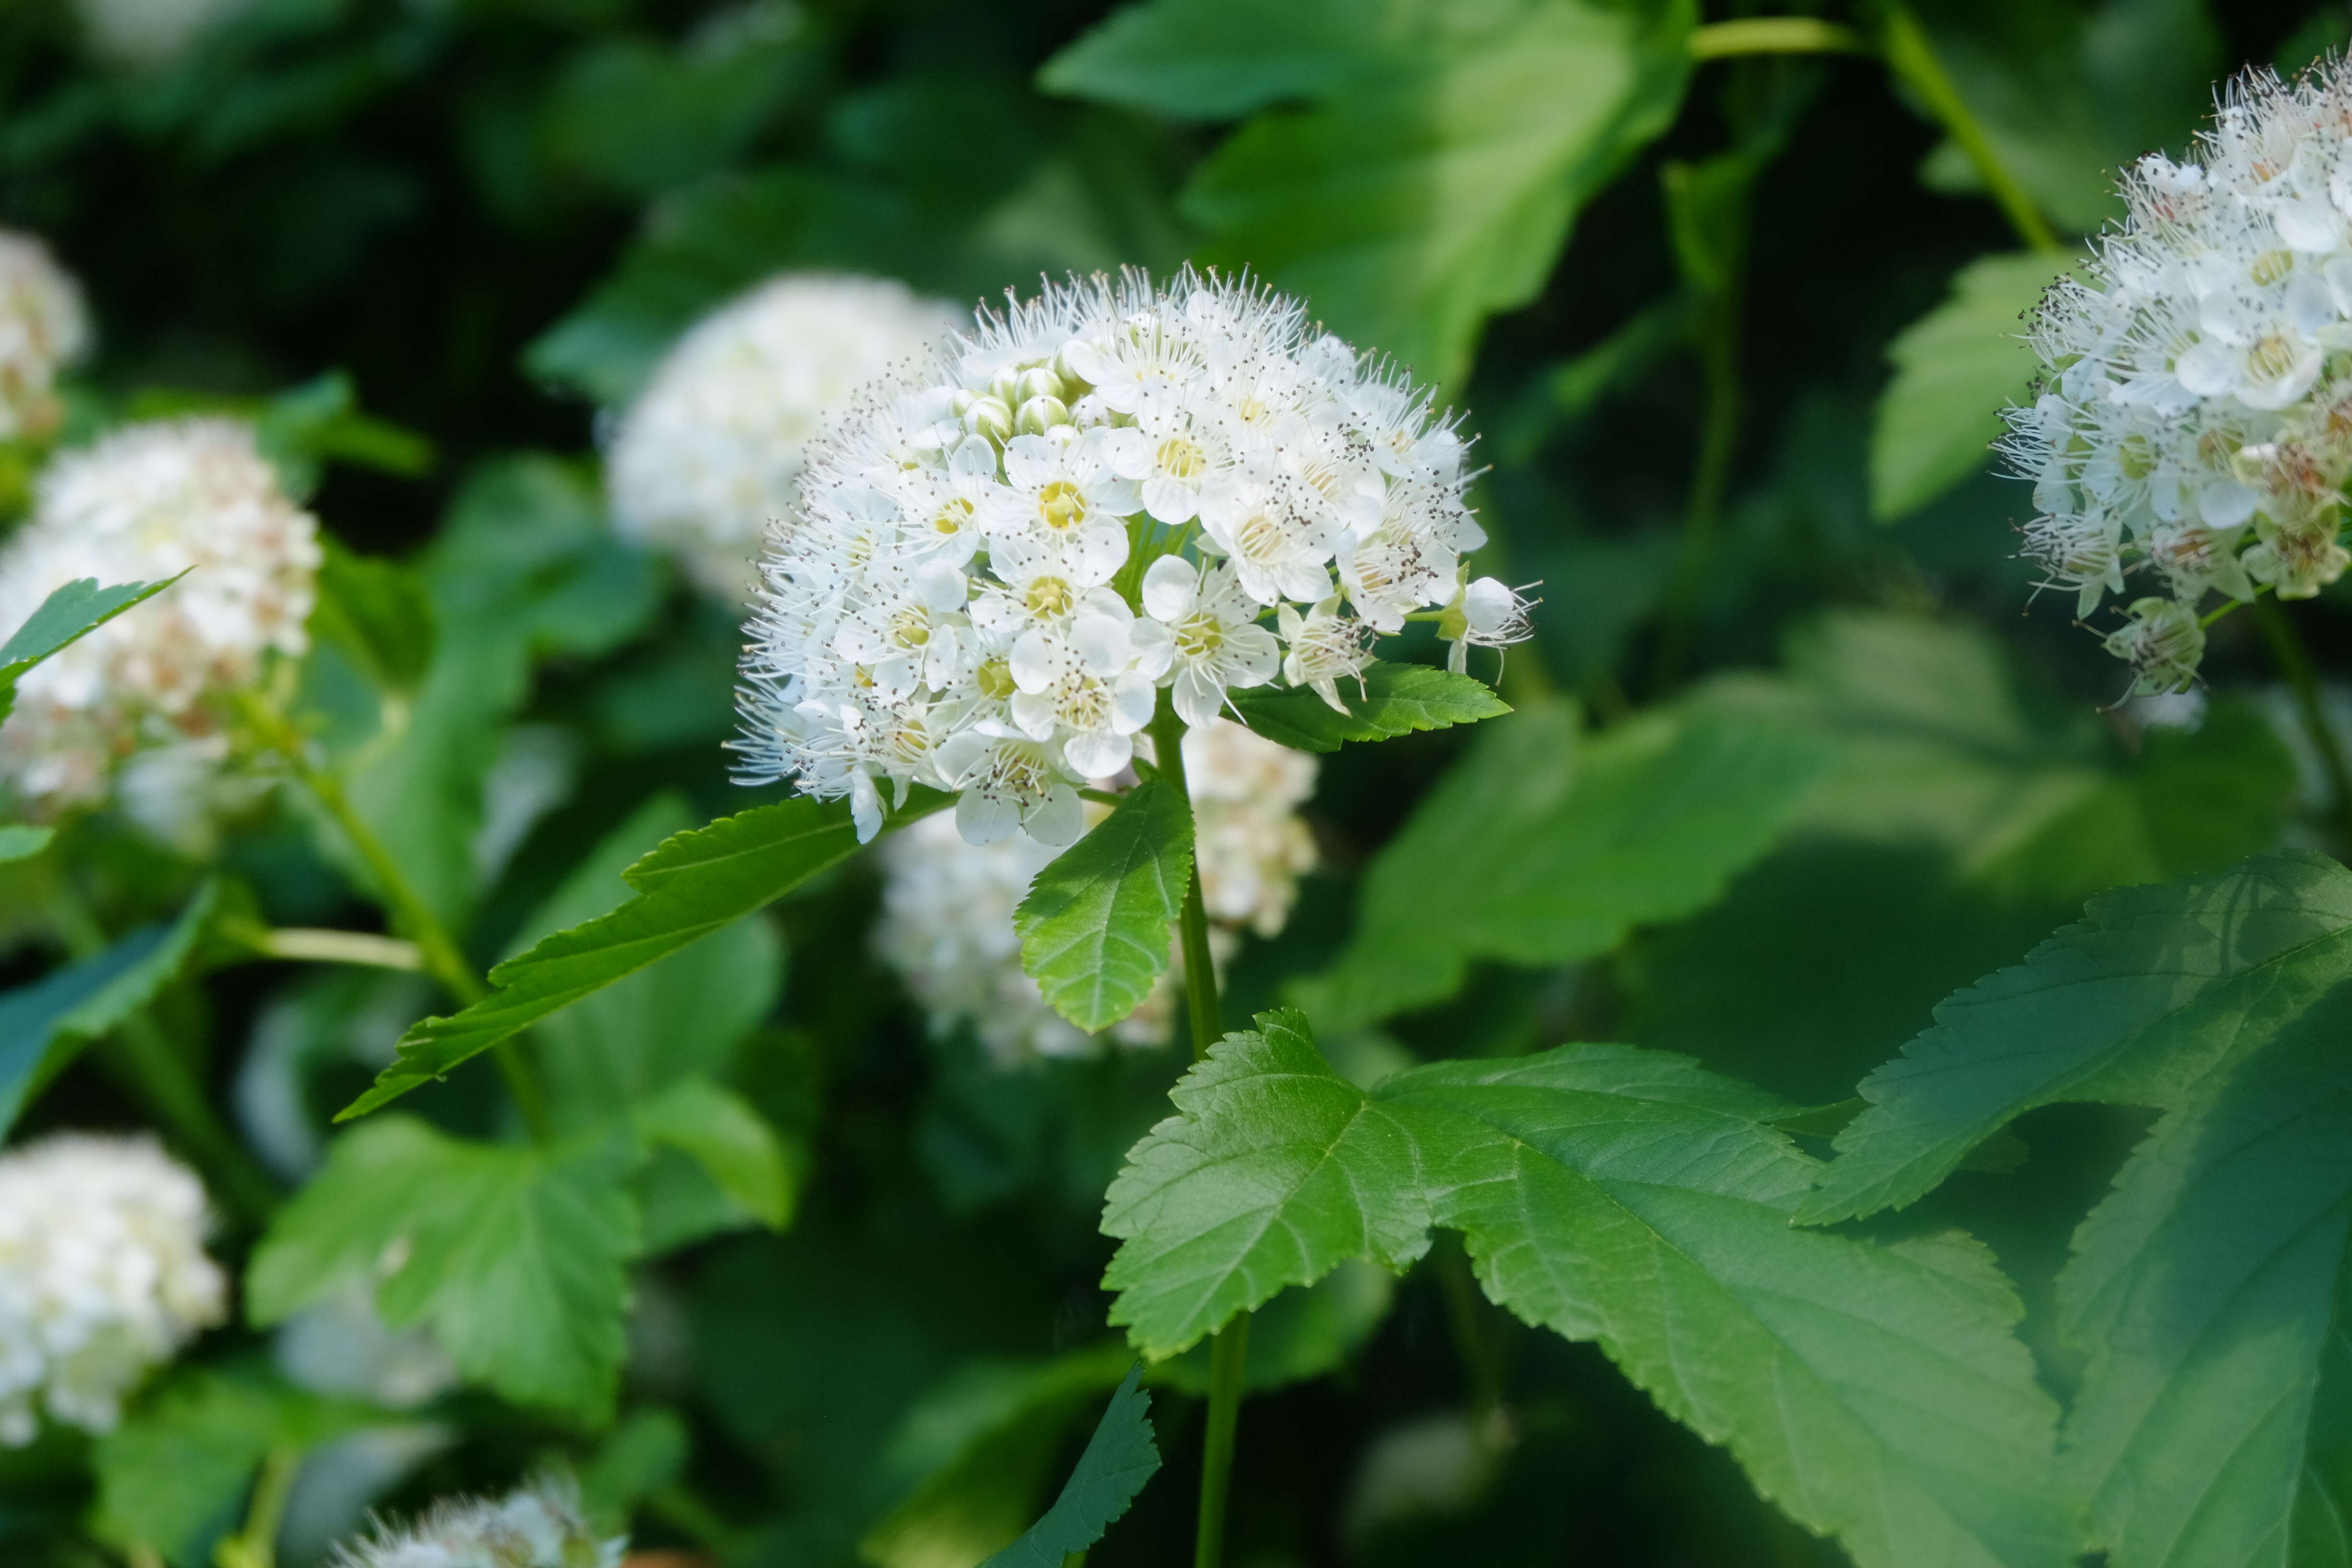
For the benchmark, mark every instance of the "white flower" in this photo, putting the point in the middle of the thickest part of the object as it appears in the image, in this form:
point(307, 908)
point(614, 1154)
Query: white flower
point(2191, 422)
point(1485, 614)
point(2162, 643)
point(539, 1526)
point(102, 1276)
point(145, 503)
point(711, 451)
point(42, 328)
point(1126, 478)
point(1213, 639)
point(948, 905)
point(150, 33)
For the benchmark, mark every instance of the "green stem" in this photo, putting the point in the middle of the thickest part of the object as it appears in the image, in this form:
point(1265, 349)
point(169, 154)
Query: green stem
point(256, 1546)
point(1229, 1347)
point(1718, 442)
point(409, 911)
point(308, 944)
point(2294, 663)
point(686, 1511)
point(1775, 35)
point(1482, 1361)
point(1228, 1358)
point(1910, 56)
point(141, 1059)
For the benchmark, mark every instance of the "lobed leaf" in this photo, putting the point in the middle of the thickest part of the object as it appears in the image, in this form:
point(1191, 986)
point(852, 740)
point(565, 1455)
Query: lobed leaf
point(1095, 924)
point(514, 1256)
point(1874, 1392)
point(693, 884)
point(1541, 848)
point(1118, 1458)
point(2207, 1288)
point(1395, 700)
point(1956, 368)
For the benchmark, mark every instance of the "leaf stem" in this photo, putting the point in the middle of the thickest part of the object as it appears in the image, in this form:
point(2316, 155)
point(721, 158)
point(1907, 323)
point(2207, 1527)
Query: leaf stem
point(2293, 659)
point(1229, 1347)
point(1719, 443)
point(256, 1546)
point(1228, 1360)
point(683, 1508)
point(1912, 57)
point(409, 911)
point(308, 944)
point(1775, 35)
point(142, 1060)
point(1481, 1360)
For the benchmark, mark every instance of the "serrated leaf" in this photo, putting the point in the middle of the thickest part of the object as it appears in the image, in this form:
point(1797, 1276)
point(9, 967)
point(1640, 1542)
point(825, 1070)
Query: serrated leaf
point(692, 885)
point(64, 617)
point(513, 1256)
point(1541, 848)
point(1395, 700)
point(1434, 188)
point(732, 1142)
point(1629, 1197)
point(45, 1025)
point(1095, 924)
point(2207, 1287)
point(1118, 1458)
point(1956, 368)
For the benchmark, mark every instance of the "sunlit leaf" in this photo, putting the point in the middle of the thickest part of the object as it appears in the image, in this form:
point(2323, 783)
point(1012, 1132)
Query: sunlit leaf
point(1096, 925)
point(66, 616)
point(1394, 699)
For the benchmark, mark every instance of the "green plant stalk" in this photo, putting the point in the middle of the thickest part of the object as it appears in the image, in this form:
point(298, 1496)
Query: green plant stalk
point(1911, 57)
point(1229, 1346)
point(256, 1546)
point(682, 1509)
point(1481, 1360)
point(142, 1060)
point(1710, 478)
point(1775, 35)
point(409, 912)
point(2293, 661)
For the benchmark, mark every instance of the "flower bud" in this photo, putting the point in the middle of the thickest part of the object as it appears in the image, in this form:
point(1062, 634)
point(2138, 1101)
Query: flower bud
point(1040, 382)
point(989, 417)
point(1040, 415)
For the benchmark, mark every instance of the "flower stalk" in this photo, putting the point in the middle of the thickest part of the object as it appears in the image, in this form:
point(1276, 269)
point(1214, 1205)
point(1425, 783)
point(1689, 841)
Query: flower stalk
point(1229, 1347)
point(1911, 57)
point(2293, 660)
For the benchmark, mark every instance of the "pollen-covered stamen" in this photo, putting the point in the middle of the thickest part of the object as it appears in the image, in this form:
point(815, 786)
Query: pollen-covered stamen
point(1061, 505)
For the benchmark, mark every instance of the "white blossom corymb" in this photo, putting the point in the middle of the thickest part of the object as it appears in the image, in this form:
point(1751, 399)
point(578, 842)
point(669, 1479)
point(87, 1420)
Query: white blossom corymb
point(43, 327)
point(102, 1276)
point(711, 451)
point(996, 560)
point(145, 503)
point(2195, 428)
point(947, 906)
point(537, 1526)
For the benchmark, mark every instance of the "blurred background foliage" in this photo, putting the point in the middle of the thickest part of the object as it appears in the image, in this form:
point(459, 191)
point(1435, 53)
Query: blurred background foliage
point(1762, 303)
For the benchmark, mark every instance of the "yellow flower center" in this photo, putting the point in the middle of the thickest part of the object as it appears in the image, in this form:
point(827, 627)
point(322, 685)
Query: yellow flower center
point(1060, 506)
point(1048, 597)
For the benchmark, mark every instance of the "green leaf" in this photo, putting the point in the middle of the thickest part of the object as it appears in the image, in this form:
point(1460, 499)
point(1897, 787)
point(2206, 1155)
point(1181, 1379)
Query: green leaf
point(22, 841)
point(2207, 1289)
point(376, 611)
point(693, 884)
point(45, 1025)
point(1215, 59)
point(1428, 192)
point(1396, 699)
point(1302, 1335)
point(1875, 1392)
point(682, 1017)
point(1119, 1457)
point(513, 1256)
point(972, 1454)
point(1094, 925)
point(173, 1476)
point(1956, 368)
point(730, 1140)
point(64, 617)
point(1542, 849)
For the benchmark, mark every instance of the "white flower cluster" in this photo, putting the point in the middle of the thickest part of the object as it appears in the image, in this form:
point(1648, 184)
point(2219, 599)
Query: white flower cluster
point(2197, 419)
point(995, 561)
point(146, 34)
point(947, 906)
point(141, 504)
point(43, 328)
point(539, 1526)
point(102, 1276)
point(711, 451)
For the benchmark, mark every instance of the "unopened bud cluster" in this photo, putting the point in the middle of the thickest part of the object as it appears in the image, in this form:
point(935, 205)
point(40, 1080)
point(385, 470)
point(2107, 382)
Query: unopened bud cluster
point(711, 451)
point(947, 920)
point(43, 328)
point(2195, 430)
point(539, 1526)
point(103, 1276)
point(145, 503)
point(996, 561)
